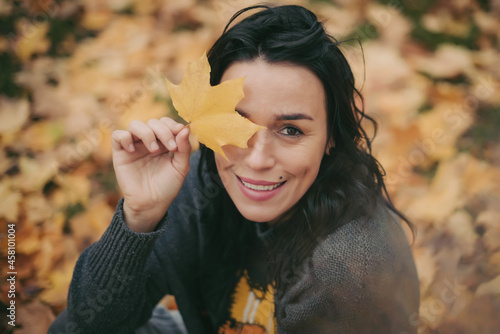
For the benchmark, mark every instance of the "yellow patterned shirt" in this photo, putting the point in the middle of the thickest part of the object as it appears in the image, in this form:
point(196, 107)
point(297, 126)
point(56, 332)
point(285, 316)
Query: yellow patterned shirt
point(252, 311)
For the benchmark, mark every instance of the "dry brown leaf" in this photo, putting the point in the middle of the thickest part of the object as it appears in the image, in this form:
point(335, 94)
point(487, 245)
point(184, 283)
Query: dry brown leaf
point(394, 28)
point(443, 22)
point(88, 227)
point(5, 7)
point(444, 293)
point(34, 173)
point(59, 280)
point(50, 251)
point(493, 265)
point(345, 18)
point(42, 136)
point(460, 227)
point(145, 7)
point(25, 267)
point(445, 193)
point(484, 87)
point(96, 20)
point(426, 267)
point(9, 202)
point(210, 110)
point(37, 208)
point(73, 189)
point(83, 116)
point(440, 128)
point(28, 239)
point(224, 9)
point(4, 44)
point(189, 46)
point(13, 114)
point(459, 304)
point(5, 162)
point(480, 177)
point(490, 220)
point(385, 68)
point(480, 316)
point(32, 38)
point(104, 149)
point(400, 105)
point(487, 22)
point(34, 318)
point(393, 149)
point(449, 61)
point(445, 92)
point(490, 287)
point(450, 271)
point(143, 110)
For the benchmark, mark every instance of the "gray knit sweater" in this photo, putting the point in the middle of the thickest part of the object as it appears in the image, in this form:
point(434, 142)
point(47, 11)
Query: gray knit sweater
point(360, 279)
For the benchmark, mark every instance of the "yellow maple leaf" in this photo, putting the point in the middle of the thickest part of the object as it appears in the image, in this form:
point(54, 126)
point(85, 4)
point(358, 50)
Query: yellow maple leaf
point(210, 110)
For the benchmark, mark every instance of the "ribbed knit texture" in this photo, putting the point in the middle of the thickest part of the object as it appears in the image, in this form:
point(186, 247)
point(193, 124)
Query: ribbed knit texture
point(130, 249)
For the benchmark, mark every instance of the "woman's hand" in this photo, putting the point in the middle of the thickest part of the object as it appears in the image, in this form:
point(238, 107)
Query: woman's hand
point(151, 162)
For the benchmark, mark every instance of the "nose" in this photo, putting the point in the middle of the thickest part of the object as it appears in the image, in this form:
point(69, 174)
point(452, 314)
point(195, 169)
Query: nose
point(260, 151)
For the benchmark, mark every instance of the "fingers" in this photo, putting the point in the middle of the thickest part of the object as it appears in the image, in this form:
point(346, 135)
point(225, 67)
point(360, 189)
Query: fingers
point(181, 157)
point(144, 133)
point(173, 125)
point(121, 139)
point(163, 133)
point(154, 134)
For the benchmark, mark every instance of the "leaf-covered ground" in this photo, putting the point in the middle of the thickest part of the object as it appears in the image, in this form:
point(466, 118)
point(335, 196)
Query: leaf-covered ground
point(73, 71)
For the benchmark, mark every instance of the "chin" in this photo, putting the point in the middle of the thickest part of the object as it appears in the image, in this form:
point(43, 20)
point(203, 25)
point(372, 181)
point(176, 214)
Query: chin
point(255, 216)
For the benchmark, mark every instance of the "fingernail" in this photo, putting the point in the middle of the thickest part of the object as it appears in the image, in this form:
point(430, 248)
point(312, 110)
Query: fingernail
point(131, 148)
point(172, 144)
point(154, 146)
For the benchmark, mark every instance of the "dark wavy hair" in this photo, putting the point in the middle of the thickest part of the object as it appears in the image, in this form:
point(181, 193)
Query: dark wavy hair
point(350, 182)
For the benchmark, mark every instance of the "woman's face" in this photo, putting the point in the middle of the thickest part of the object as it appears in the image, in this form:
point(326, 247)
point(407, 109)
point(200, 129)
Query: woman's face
point(282, 161)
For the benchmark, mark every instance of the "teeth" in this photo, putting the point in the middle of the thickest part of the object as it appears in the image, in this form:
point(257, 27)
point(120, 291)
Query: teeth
point(260, 187)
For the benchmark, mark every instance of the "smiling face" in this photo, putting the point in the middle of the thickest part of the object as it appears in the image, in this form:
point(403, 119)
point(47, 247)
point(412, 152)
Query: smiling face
point(281, 162)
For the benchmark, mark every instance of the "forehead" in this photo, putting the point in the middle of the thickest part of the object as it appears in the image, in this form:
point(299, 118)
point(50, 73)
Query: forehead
point(279, 88)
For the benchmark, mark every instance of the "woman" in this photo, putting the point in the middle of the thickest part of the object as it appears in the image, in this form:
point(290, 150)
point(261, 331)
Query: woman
point(294, 234)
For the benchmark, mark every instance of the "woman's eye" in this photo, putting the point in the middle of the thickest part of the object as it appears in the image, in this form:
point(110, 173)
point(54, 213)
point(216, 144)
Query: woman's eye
point(291, 131)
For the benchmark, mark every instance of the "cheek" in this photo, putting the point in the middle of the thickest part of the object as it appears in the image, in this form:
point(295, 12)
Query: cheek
point(225, 167)
point(303, 159)
point(306, 172)
point(233, 154)
point(222, 165)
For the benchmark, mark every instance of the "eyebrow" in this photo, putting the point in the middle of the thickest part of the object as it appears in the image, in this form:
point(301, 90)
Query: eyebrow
point(283, 117)
point(292, 117)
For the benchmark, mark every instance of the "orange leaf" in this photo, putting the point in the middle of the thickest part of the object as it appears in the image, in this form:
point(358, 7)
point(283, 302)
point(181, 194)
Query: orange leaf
point(210, 110)
point(58, 285)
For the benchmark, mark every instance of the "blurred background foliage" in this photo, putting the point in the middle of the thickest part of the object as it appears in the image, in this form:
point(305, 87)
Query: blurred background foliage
point(73, 71)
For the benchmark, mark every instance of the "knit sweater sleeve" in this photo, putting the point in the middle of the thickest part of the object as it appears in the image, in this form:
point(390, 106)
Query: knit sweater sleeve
point(108, 292)
point(360, 279)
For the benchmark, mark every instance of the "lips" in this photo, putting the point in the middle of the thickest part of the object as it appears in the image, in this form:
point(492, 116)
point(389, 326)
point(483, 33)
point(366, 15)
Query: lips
point(260, 187)
point(259, 190)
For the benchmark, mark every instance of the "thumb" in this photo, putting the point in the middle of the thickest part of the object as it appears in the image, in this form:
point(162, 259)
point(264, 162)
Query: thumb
point(181, 156)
